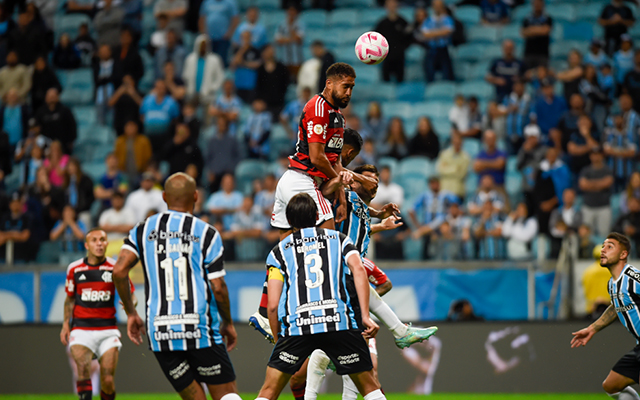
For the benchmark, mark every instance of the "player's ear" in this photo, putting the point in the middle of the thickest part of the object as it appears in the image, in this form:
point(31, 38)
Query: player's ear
point(164, 196)
point(86, 245)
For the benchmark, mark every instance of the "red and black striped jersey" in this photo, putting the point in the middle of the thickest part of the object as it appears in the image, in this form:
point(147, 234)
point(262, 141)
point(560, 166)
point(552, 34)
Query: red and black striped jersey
point(94, 292)
point(375, 274)
point(320, 122)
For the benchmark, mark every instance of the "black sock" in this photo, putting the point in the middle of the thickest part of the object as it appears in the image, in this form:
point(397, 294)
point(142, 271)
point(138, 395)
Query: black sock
point(298, 391)
point(104, 396)
point(85, 390)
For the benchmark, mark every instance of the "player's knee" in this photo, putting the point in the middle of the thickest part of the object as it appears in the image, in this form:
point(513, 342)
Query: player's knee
point(297, 381)
point(611, 386)
point(107, 383)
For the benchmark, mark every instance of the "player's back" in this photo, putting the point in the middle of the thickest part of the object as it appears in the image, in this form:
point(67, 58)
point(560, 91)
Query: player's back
point(625, 297)
point(318, 294)
point(179, 254)
point(357, 225)
point(323, 123)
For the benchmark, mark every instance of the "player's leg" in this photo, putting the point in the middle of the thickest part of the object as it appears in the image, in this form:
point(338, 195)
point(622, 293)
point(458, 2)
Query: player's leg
point(259, 320)
point(404, 335)
point(212, 366)
point(318, 363)
point(349, 389)
point(181, 375)
point(298, 381)
point(82, 357)
point(274, 382)
point(367, 384)
point(618, 387)
point(286, 359)
point(108, 363)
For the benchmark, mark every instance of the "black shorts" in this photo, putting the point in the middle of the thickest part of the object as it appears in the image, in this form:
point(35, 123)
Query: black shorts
point(210, 365)
point(347, 349)
point(629, 365)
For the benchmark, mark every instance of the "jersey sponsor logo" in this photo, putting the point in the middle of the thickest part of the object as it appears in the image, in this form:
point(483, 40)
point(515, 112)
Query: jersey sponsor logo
point(82, 278)
point(349, 359)
point(107, 277)
point(173, 335)
point(336, 142)
point(313, 320)
point(180, 370)
point(175, 248)
point(176, 319)
point(70, 285)
point(162, 235)
point(317, 305)
point(372, 279)
point(633, 275)
point(314, 246)
point(95, 295)
point(288, 358)
point(210, 371)
point(626, 308)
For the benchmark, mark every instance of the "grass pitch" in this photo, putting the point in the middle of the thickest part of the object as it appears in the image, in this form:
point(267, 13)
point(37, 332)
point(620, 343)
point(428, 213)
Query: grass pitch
point(390, 396)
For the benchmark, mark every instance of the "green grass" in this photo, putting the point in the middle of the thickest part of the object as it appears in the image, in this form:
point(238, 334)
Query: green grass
point(391, 396)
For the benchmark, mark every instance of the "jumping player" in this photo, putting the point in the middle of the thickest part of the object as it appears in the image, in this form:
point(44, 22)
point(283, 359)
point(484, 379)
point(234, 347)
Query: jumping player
point(314, 303)
point(182, 257)
point(624, 289)
point(89, 325)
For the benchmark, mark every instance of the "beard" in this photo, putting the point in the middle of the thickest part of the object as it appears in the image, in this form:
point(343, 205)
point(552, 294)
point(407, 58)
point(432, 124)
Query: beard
point(339, 102)
point(608, 262)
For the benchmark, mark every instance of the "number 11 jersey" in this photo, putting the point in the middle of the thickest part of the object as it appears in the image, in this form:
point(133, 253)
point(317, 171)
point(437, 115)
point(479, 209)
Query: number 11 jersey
point(318, 293)
point(179, 254)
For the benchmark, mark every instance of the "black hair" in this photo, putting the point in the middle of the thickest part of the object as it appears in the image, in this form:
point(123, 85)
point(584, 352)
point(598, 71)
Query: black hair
point(353, 139)
point(367, 168)
point(340, 70)
point(302, 211)
point(624, 241)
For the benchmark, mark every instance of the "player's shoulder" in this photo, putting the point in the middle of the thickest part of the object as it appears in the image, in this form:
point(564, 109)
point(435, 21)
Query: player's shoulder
point(75, 264)
point(316, 106)
point(632, 272)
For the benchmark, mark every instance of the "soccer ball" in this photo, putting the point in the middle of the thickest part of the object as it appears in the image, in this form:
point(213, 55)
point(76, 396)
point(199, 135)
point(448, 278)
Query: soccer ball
point(372, 48)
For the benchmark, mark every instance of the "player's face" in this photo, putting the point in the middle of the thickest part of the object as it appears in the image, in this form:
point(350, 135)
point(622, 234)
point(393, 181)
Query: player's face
point(360, 190)
point(348, 154)
point(96, 243)
point(341, 89)
point(610, 253)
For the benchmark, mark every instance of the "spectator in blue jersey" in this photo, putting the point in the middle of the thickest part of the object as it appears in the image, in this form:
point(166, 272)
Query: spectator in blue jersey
point(290, 116)
point(223, 203)
point(437, 30)
point(506, 70)
point(454, 235)
point(219, 19)
point(596, 55)
point(516, 109)
point(257, 130)
point(69, 231)
point(227, 106)
point(112, 181)
point(620, 146)
point(607, 81)
point(157, 111)
point(258, 31)
point(536, 30)
point(172, 51)
point(246, 229)
point(246, 61)
point(223, 154)
point(487, 234)
point(491, 160)
point(494, 12)
point(616, 19)
point(14, 118)
point(288, 39)
point(428, 213)
point(487, 191)
point(623, 58)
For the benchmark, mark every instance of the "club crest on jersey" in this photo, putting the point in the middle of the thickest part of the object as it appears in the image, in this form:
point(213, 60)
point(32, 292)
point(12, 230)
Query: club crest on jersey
point(106, 276)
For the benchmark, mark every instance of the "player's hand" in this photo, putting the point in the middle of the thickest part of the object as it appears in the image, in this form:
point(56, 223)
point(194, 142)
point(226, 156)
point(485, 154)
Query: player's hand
point(371, 328)
point(341, 213)
point(228, 331)
point(388, 210)
point(135, 328)
point(391, 222)
point(582, 337)
point(346, 177)
point(64, 334)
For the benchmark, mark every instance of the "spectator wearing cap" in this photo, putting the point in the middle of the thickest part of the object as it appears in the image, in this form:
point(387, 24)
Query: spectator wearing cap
point(428, 213)
point(219, 19)
point(494, 12)
point(623, 58)
point(515, 108)
point(530, 154)
point(631, 83)
point(146, 198)
point(133, 152)
point(620, 146)
point(596, 55)
point(504, 71)
point(548, 108)
point(491, 160)
point(536, 30)
point(596, 183)
point(16, 226)
point(437, 30)
point(117, 221)
point(616, 19)
point(14, 118)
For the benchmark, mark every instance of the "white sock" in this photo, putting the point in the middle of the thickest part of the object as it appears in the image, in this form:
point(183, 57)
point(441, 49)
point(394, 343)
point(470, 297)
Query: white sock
point(349, 389)
point(259, 398)
point(385, 314)
point(625, 394)
point(318, 363)
point(231, 396)
point(375, 395)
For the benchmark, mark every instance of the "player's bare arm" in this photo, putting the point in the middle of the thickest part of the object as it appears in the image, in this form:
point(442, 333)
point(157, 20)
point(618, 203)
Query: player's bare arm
point(221, 294)
point(583, 336)
point(320, 161)
point(69, 303)
point(354, 262)
point(126, 261)
point(386, 211)
point(387, 224)
point(274, 291)
point(384, 288)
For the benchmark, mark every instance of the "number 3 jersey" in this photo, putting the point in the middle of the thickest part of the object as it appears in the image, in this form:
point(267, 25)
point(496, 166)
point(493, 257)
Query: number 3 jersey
point(94, 293)
point(318, 293)
point(180, 254)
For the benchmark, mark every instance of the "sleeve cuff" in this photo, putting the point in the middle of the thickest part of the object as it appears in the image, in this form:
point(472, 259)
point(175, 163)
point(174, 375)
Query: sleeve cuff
point(131, 249)
point(216, 275)
point(346, 257)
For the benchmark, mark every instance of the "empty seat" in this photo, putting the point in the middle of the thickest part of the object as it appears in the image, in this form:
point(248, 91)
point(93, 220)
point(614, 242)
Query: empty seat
point(272, 19)
point(579, 30)
point(95, 169)
point(414, 72)
point(590, 11)
point(415, 54)
point(371, 16)
point(69, 24)
point(471, 184)
point(85, 115)
point(267, 4)
point(480, 89)
point(390, 162)
point(513, 183)
point(343, 18)
point(512, 164)
point(379, 92)
point(469, 52)
point(356, 3)
point(412, 91)
point(366, 73)
point(440, 91)
point(565, 12)
point(415, 165)
point(483, 34)
point(433, 109)
point(521, 12)
point(468, 15)
point(396, 109)
point(512, 32)
point(313, 19)
point(471, 146)
point(78, 88)
point(478, 70)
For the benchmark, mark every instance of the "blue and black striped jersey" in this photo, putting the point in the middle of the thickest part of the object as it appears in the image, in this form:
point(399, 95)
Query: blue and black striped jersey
point(625, 297)
point(318, 294)
point(357, 225)
point(179, 254)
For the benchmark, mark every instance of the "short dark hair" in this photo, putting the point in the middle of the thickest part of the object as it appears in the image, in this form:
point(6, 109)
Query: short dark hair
point(366, 168)
point(340, 70)
point(624, 241)
point(302, 211)
point(353, 139)
point(91, 231)
point(117, 193)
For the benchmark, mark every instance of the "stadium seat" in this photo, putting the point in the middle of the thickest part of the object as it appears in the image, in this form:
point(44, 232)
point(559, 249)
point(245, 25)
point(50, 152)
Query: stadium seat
point(279, 146)
point(440, 91)
point(370, 16)
point(513, 184)
point(412, 249)
point(471, 184)
point(478, 70)
point(589, 11)
point(272, 18)
point(267, 4)
point(415, 54)
point(412, 92)
point(512, 164)
point(396, 109)
point(85, 115)
point(379, 92)
point(69, 24)
point(491, 52)
point(348, 38)
point(390, 162)
point(559, 50)
point(512, 31)
point(410, 166)
point(565, 12)
point(468, 15)
point(366, 73)
point(471, 146)
point(356, 3)
point(469, 52)
point(481, 89)
point(579, 30)
point(94, 169)
point(343, 18)
point(251, 169)
point(249, 249)
point(48, 252)
point(78, 88)
point(521, 13)
point(414, 72)
point(313, 19)
point(483, 34)
point(432, 109)
point(442, 127)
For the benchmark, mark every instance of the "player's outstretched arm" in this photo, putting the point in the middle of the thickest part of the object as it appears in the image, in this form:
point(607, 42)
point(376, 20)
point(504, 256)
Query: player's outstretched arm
point(387, 224)
point(354, 262)
point(69, 303)
point(127, 260)
point(227, 330)
point(582, 337)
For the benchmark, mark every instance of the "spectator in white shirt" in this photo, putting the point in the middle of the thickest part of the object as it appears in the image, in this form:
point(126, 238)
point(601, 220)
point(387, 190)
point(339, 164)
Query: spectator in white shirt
point(147, 198)
point(388, 192)
point(519, 229)
point(117, 221)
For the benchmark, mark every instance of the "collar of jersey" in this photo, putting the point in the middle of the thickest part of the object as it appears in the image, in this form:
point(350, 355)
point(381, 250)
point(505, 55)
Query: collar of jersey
point(86, 262)
point(328, 102)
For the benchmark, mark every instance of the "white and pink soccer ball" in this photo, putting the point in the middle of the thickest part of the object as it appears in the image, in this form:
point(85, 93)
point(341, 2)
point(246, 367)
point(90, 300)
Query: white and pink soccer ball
point(372, 48)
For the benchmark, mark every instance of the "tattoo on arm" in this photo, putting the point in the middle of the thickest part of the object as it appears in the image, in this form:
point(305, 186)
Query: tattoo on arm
point(69, 303)
point(607, 317)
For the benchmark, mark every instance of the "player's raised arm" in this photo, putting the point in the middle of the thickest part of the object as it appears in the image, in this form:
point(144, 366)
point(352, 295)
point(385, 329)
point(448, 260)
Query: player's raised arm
point(387, 224)
point(583, 336)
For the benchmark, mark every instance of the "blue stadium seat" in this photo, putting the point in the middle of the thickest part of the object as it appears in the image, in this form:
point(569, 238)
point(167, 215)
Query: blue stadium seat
point(481, 89)
point(589, 11)
point(442, 126)
point(440, 91)
point(313, 19)
point(491, 52)
point(390, 162)
point(512, 164)
point(396, 109)
point(469, 52)
point(513, 183)
point(407, 12)
point(267, 4)
point(278, 146)
point(415, 54)
point(343, 18)
point(471, 146)
point(85, 115)
point(483, 34)
point(69, 24)
point(412, 92)
point(512, 31)
point(521, 13)
point(366, 73)
point(370, 17)
point(385, 92)
point(412, 249)
point(314, 34)
point(345, 53)
point(248, 170)
point(412, 184)
point(478, 71)
point(356, 3)
point(48, 253)
point(149, 22)
point(468, 15)
point(471, 183)
point(416, 165)
point(565, 12)
point(94, 169)
point(432, 109)
point(579, 30)
point(414, 72)
point(272, 18)
point(559, 50)
point(78, 88)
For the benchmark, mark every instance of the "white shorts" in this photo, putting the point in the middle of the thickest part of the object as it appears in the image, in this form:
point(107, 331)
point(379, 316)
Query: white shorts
point(291, 183)
point(98, 341)
point(372, 347)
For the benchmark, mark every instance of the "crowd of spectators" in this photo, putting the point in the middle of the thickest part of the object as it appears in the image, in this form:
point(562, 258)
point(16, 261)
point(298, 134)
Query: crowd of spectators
point(575, 148)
